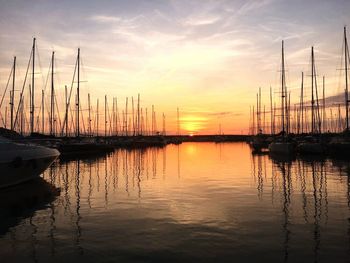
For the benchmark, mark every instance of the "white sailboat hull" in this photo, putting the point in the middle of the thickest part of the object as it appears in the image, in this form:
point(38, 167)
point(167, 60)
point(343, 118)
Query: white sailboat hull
point(20, 163)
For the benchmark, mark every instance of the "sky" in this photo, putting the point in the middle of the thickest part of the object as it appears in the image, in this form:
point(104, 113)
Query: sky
point(206, 57)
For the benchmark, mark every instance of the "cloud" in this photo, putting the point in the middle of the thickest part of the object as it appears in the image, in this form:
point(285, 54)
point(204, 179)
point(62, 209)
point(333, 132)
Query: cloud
point(105, 19)
point(252, 5)
point(200, 20)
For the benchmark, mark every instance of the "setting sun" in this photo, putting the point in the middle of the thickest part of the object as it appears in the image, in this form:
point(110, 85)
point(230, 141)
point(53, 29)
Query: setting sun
point(193, 124)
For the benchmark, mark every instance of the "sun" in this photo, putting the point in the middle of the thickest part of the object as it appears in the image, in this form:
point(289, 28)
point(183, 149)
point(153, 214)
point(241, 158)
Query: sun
point(193, 124)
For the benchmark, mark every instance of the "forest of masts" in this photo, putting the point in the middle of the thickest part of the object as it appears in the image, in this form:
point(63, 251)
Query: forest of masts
point(313, 115)
point(113, 118)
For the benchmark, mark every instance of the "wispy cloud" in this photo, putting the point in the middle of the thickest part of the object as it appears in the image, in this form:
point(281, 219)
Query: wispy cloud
point(105, 19)
point(207, 56)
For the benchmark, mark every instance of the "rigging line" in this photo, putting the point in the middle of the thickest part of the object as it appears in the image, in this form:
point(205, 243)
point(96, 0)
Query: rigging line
point(2, 119)
point(109, 119)
point(39, 61)
point(317, 102)
point(70, 94)
point(23, 87)
point(7, 84)
point(71, 115)
point(83, 71)
point(58, 113)
point(82, 116)
point(58, 80)
point(47, 79)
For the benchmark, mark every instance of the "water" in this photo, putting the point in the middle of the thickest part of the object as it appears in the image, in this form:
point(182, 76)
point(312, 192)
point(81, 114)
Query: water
point(201, 202)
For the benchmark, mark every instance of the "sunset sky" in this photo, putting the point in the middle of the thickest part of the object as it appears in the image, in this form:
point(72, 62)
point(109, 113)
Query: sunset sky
point(206, 57)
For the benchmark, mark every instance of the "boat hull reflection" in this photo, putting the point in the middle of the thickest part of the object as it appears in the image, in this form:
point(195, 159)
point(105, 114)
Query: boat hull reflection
point(19, 171)
point(21, 201)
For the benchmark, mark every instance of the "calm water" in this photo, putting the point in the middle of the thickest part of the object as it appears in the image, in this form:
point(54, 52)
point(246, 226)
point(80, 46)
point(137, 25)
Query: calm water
point(193, 202)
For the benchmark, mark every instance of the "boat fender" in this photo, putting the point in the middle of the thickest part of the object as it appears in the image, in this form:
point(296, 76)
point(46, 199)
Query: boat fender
point(17, 162)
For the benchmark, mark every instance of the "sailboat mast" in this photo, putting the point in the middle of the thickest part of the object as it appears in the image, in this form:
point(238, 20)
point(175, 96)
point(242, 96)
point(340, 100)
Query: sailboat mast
point(89, 114)
point(32, 89)
point(324, 105)
point(66, 96)
point(138, 114)
point(283, 90)
point(178, 122)
point(302, 103)
point(253, 127)
point(13, 92)
point(52, 104)
point(271, 113)
point(78, 95)
point(105, 115)
point(133, 118)
point(97, 119)
point(147, 124)
point(289, 115)
point(346, 57)
point(21, 113)
point(153, 129)
point(257, 113)
point(42, 112)
point(116, 117)
point(312, 92)
point(260, 128)
point(126, 117)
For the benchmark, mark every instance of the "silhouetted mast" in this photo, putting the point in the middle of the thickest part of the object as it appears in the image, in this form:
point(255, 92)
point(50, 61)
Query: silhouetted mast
point(105, 115)
point(152, 130)
point(133, 118)
point(271, 114)
point(126, 117)
point(32, 89)
point(66, 120)
point(117, 119)
point(89, 105)
point(302, 103)
point(52, 103)
point(138, 114)
point(346, 79)
point(42, 112)
point(324, 105)
point(178, 122)
point(312, 92)
point(257, 114)
point(13, 92)
point(21, 113)
point(283, 91)
point(97, 119)
point(78, 95)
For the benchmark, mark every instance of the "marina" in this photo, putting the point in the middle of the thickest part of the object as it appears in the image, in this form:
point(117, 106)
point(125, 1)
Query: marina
point(174, 131)
point(291, 138)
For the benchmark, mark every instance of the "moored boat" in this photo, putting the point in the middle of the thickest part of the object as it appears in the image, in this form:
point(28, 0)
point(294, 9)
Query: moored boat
point(339, 146)
point(23, 162)
point(311, 145)
point(282, 147)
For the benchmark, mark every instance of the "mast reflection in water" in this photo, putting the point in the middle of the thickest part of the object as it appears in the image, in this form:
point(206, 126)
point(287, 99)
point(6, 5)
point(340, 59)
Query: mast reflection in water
point(195, 201)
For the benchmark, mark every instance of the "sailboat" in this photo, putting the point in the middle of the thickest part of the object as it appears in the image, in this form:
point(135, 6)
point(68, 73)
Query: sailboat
point(340, 145)
point(282, 144)
point(259, 142)
point(312, 144)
